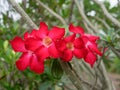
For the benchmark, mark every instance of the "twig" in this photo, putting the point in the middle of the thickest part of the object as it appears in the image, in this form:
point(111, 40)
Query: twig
point(23, 14)
point(2, 77)
point(81, 11)
point(103, 22)
point(115, 51)
point(87, 27)
point(52, 12)
point(97, 66)
point(96, 78)
point(107, 14)
point(75, 64)
point(85, 82)
point(96, 74)
point(106, 78)
point(71, 11)
point(87, 68)
point(66, 87)
point(24, 2)
point(99, 61)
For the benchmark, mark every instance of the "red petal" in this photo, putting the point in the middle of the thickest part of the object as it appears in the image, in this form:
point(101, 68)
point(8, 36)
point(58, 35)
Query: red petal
point(36, 66)
point(94, 48)
point(43, 26)
point(80, 53)
point(91, 37)
point(26, 35)
point(67, 55)
point(18, 44)
point(56, 33)
point(90, 58)
point(32, 44)
point(70, 38)
point(91, 45)
point(78, 43)
point(42, 52)
point(76, 29)
point(43, 30)
point(24, 61)
point(31, 35)
point(53, 51)
point(60, 45)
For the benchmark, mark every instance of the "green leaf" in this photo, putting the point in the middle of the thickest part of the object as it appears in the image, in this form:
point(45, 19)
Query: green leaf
point(46, 86)
point(5, 44)
point(56, 69)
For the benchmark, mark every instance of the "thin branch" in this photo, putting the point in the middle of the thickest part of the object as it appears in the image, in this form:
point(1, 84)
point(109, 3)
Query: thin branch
point(106, 78)
point(71, 11)
point(66, 87)
point(52, 12)
point(81, 11)
point(115, 51)
point(107, 14)
point(97, 66)
point(95, 83)
point(87, 68)
point(103, 22)
point(87, 27)
point(85, 82)
point(23, 14)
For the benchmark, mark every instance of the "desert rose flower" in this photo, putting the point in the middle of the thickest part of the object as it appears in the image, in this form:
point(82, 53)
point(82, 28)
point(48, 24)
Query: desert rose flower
point(89, 43)
point(92, 48)
point(44, 44)
point(72, 47)
point(28, 57)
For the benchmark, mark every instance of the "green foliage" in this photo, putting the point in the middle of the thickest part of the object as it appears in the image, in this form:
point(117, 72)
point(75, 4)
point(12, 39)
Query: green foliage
point(115, 65)
point(13, 79)
point(56, 69)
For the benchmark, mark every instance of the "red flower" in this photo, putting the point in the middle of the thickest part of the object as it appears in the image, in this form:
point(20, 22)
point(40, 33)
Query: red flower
point(71, 46)
point(76, 29)
point(44, 44)
point(89, 43)
point(28, 57)
point(92, 49)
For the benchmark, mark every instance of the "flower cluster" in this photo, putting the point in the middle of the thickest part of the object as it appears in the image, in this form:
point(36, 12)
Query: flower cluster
point(43, 43)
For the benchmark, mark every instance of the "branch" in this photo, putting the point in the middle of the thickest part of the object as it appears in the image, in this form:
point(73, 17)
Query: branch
point(103, 22)
point(87, 27)
point(23, 14)
point(106, 78)
point(85, 82)
point(71, 75)
point(52, 12)
point(74, 77)
point(107, 14)
point(95, 68)
point(71, 11)
point(81, 11)
point(115, 51)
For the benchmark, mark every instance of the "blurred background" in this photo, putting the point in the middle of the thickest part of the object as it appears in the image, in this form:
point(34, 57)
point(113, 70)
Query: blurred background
point(12, 24)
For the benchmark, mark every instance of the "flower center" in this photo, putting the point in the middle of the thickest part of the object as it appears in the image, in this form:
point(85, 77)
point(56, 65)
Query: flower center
point(47, 41)
point(70, 46)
